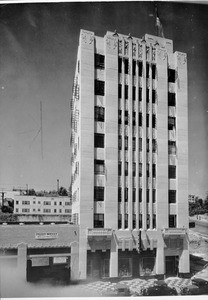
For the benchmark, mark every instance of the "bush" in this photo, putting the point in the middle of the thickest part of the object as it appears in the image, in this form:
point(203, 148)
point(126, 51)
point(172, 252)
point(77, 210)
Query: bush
point(159, 290)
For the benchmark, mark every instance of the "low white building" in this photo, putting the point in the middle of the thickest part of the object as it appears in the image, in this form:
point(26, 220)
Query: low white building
point(24, 204)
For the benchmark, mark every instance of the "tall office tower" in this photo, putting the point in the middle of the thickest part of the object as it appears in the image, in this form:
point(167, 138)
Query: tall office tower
point(129, 146)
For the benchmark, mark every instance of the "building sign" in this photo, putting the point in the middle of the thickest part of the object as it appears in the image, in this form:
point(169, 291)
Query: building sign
point(170, 231)
point(60, 260)
point(40, 261)
point(46, 235)
point(100, 232)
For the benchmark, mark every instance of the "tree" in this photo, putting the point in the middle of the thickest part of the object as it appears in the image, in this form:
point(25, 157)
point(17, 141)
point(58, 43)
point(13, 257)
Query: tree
point(31, 192)
point(62, 191)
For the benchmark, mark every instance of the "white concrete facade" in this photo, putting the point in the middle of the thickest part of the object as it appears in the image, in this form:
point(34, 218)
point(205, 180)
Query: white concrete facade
point(130, 145)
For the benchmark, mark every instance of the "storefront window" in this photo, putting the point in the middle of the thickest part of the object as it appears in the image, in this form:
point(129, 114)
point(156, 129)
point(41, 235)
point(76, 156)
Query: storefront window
point(147, 266)
point(125, 267)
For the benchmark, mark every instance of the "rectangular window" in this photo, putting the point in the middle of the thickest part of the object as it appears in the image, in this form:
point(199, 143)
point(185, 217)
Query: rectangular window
point(99, 114)
point(154, 196)
point(171, 123)
point(147, 193)
point(134, 221)
point(153, 121)
point(134, 169)
point(140, 68)
point(153, 71)
point(148, 171)
point(119, 221)
point(98, 220)
point(140, 195)
point(140, 169)
point(140, 144)
point(140, 94)
point(17, 209)
point(147, 70)
point(119, 91)
point(67, 211)
point(154, 146)
point(148, 145)
point(126, 116)
point(133, 93)
point(171, 99)
point(134, 144)
point(119, 168)
point(120, 116)
point(140, 220)
point(25, 210)
point(134, 195)
point(147, 95)
point(99, 61)
point(134, 118)
point(98, 193)
point(119, 142)
point(147, 120)
point(126, 194)
point(126, 91)
point(172, 172)
point(126, 66)
point(171, 75)
point(134, 67)
point(119, 65)
point(99, 140)
point(140, 119)
point(148, 221)
point(172, 221)
point(26, 202)
point(126, 221)
point(172, 196)
point(55, 210)
point(126, 142)
point(99, 87)
point(99, 166)
point(171, 147)
point(119, 194)
point(126, 168)
point(153, 96)
point(17, 202)
point(154, 170)
point(46, 210)
point(46, 202)
point(54, 203)
point(60, 203)
point(154, 221)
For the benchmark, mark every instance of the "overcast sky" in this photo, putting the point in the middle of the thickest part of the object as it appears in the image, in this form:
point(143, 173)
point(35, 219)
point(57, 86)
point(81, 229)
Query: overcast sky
point(38, 47)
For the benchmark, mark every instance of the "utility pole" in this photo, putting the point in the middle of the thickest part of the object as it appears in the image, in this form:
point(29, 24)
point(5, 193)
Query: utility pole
point(57, 185)
point(41, 128)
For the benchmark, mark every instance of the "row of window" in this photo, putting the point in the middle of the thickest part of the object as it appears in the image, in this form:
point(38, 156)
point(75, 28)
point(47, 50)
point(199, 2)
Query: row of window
point(45, 210)
point(26, 202)
point(126, 167)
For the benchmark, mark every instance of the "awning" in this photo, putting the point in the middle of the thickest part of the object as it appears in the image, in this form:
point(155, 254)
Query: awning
point(174, 232)
point(124, 239)
point(99, 233)
point(144, 240)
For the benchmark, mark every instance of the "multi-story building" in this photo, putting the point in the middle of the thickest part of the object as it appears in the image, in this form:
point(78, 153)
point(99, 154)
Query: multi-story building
point(129, 145)
point(40, 205)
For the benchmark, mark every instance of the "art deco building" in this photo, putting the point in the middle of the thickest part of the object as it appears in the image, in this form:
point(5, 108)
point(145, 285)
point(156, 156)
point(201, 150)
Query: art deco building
point(129, 144)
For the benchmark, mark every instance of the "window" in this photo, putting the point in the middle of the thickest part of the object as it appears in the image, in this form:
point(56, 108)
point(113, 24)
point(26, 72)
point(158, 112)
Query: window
point(119, 194)
point(147, 120)
point(99, 87)
point(140, 144)
point(126, 117)
point(126, 91)
point(55, 210)
point(134, 169)
point(98, 220)
point(119, 91)
point(147, 266)
point(154, 196)
point(147, 193)
point(126, 168)
point(126, 194)
point(153, 96)
point(140, 94)
point(126, 66)
point(17, 202)
point(134, 118)
point(154, 170)
point(99, 166)
point(134, 67)
point(54, 203)
point(153, 121)
point(172, 172)
point(119, 221)
point(171, 75)
point(140, 195)
point(99, 140)
point(119, 168)
point(148, 221)
point(126, 142)
point(171, 99)
point(171, 147)
point(147, 70)
point(46, 210)
point(25, 202)
point(140, 169)
point(120, 116)
point(119, 142)
point(99, 114)
point(60, 210)
point(99, 61)
point(148, 172)
point(140, 220)
point(154, 221)
point(140, 68)
point(147, 95)
point(153, 71)
point(17, 209)
point(134, 221)
point(60, 203)
point(172, 196)
point(125, 220)
point(171, 123)
point(148, 145)
point(134, 144)
point(154, 146)
point(140, 119)
point(78, 66)
point(98, 193)
point(25, 210)
point(133, 93)
point(67, 203)
point(172, 221)
point(134, 195)
point(119, 65)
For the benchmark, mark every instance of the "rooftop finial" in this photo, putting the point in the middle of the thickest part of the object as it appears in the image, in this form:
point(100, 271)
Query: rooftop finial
point(129, 36)
point(115, 33)
point(158, 24)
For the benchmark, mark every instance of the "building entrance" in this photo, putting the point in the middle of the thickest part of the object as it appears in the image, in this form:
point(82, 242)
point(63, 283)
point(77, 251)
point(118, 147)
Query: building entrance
point(98, 264)
point(171, 265)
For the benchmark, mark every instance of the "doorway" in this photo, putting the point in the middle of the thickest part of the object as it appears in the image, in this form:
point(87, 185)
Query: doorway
point(171, 265)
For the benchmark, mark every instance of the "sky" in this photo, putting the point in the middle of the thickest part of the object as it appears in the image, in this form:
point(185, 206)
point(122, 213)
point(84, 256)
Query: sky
point(38, 48)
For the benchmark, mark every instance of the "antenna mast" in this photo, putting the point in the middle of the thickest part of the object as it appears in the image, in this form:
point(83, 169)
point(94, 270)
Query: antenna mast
point(41, 128)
